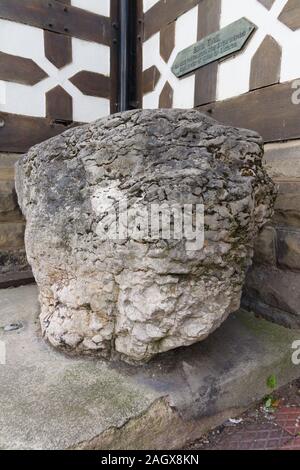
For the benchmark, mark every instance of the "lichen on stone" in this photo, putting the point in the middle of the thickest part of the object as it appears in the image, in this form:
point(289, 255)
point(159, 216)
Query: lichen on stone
point(135, 297)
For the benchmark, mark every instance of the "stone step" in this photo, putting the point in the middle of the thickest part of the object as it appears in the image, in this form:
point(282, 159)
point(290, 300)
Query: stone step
point(13, 261)
point(175, 398)
point(16, 279)
point(12, 235)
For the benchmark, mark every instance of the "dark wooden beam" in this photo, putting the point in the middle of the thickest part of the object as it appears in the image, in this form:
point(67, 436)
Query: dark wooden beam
point(55, 16)
point(92, 83)
point(150, 79)
point(290, 15)
point(20, 70)
point(58, 48)
point(163, 13)
point(266, 64)
point(167, 41)
point(267, 3)
point(18, 133)
point(59, 104)
point(139, 54)
point(269, 111)
point(16, 279)
point(209, 13)
point(166, 96)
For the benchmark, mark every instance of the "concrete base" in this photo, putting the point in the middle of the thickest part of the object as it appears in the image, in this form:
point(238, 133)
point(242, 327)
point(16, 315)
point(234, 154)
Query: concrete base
point(49, 401)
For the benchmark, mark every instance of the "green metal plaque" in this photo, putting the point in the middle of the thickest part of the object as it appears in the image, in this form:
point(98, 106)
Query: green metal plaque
point(221, 44)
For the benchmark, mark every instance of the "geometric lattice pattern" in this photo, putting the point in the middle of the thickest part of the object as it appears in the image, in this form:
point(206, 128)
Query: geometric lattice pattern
point(41, 71)
point(277, 38)
point(160, 51)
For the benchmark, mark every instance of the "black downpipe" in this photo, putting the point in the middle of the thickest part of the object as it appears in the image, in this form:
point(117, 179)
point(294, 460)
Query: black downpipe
point(124, 55)
point(129, 54)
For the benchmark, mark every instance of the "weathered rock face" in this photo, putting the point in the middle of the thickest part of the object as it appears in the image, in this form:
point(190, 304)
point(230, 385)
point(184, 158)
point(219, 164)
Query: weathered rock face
point(112, 292)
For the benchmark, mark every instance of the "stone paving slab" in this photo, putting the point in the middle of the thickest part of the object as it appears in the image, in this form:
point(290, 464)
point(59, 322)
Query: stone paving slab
point(50, 401)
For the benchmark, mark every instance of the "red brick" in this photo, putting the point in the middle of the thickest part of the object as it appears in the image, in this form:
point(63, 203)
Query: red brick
point(289, 420)
point(258, 436)
point(292, 445)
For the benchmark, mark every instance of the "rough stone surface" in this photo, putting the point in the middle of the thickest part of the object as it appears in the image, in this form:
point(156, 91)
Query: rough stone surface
point(136, 298)
point(51, 401)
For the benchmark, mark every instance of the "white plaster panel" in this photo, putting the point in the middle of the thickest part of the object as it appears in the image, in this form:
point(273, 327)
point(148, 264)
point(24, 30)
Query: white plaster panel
point(151, 52)
point(23, 99)
point(234, 73)
point(185, 35)
point(87, 108)
point(91, 56)
point(27, 41)
point(90, 108)
point(186, 29)
point(102, 7)
point(22, 40)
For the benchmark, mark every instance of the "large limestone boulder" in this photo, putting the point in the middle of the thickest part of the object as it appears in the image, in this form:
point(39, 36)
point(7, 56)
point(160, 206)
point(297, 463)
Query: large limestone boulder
point(115, 289)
